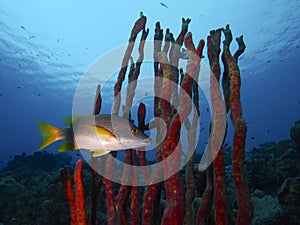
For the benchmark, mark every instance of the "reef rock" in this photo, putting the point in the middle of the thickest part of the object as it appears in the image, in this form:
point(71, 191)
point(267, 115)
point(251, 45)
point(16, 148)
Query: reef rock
point(295, 132)
point(32, 191)
point(267, 211)
point(271, 164)
point(289, 194)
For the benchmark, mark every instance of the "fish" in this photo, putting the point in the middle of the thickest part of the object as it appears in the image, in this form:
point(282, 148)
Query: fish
point(164, 5)
point(184, 54)
point(99, 134)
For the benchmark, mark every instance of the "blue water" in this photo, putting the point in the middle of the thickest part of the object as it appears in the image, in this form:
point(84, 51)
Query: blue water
point(46, 46)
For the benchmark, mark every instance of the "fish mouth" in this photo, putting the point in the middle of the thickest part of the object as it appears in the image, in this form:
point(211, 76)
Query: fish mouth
point(146, 141)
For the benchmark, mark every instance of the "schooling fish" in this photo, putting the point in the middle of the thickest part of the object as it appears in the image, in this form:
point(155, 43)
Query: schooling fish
point(99, 134)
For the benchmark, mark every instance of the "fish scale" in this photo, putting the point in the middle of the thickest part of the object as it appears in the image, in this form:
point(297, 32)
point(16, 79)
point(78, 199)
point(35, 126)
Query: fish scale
point(99, 134)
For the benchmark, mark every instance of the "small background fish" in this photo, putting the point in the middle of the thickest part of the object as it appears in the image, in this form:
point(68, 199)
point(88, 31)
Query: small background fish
point(164, 5)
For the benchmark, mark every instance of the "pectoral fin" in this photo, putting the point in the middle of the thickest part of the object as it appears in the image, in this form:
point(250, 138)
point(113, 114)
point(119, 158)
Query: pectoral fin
point(97, 153)
point(103, 133)
point(66, 146)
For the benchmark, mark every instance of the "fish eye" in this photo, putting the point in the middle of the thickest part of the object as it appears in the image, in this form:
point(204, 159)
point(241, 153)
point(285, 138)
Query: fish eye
point(134, 130)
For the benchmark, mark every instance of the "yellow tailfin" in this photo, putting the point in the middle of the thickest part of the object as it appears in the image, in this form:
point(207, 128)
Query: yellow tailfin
point(49, 134)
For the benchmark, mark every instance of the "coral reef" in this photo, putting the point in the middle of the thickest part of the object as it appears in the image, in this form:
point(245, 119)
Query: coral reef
point(273, 173)
point(31, 190)
point(260, 187)
point(36, 195)
point(295, 132)
point(174, 107)
point(173, 201)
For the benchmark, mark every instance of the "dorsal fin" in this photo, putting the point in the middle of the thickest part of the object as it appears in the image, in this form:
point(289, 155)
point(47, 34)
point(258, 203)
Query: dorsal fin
point(69, 120)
